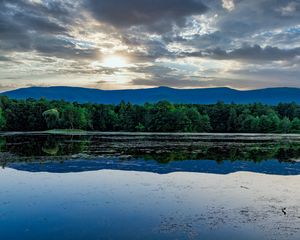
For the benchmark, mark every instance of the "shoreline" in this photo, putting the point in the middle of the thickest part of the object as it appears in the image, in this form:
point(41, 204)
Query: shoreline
point(82, 132)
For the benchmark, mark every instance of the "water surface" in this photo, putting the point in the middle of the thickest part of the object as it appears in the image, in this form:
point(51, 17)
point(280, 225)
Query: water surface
point(151, 186)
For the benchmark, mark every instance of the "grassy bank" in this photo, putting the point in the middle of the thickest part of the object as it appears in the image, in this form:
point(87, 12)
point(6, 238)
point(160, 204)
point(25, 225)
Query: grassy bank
point(65, 131)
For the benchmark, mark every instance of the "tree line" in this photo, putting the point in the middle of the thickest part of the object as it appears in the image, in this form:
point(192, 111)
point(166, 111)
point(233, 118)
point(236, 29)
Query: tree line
point(40, 115)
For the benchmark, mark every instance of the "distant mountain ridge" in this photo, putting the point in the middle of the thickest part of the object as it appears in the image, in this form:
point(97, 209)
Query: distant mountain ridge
point(139, 96)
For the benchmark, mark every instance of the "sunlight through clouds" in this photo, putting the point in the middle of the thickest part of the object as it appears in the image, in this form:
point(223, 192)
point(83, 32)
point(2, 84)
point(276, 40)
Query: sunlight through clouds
point(49, 42)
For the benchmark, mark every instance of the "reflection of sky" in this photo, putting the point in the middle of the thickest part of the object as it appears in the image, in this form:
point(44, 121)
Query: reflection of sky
point(266, 166)
point(138, 205)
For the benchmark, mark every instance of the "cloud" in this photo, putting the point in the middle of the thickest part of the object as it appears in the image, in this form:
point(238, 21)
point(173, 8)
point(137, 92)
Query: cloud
point(265, 54)
point(63, 48)
point(157, 75)
point(289, 10)
point(203, 82)
point(228, 4)
point(251, 17)
point(156, 15)
point(249, 53)
point(31, 26)
point(180, 43)
point(4, 59)
point(242, 80)
point(169, 82)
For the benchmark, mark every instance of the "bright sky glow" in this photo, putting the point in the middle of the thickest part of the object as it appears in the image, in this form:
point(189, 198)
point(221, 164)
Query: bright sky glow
point(115, 62)
point(117, 44)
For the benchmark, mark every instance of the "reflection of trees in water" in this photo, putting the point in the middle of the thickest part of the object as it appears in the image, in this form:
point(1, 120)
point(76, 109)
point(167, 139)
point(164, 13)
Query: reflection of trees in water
point(51, 147)
point(256, 153)
point(43, 145)
point(2, 143)
point(35, 146)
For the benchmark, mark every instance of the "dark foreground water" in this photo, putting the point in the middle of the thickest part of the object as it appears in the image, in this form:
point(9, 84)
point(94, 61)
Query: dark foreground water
point(149, 186)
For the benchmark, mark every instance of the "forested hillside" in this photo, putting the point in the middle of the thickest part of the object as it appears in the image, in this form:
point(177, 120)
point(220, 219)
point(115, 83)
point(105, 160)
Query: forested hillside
point(38, 115)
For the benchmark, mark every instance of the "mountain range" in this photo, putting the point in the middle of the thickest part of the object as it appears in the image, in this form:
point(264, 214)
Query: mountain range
point(139, 96)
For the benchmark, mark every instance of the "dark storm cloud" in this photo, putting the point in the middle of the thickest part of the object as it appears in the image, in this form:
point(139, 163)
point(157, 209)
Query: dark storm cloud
point(157, 15)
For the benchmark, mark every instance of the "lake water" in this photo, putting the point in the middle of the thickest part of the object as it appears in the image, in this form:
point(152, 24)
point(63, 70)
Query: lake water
point(149, 186)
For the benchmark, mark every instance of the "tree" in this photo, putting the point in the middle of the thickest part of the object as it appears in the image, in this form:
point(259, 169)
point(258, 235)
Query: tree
point(285, 125)
point(111, 119)
point(126, 113)
point(160, 117)
point(178, 121)
point(2, 119)
point(195, 119)
point(98, 119)
point(296, 125)
point(204, 125)
point(232, 121)
point(250, 124)
point(37, 115)
point(74, 117)
point(52, 118)
point(269, 123)
point(287, 110)
point(219, 114)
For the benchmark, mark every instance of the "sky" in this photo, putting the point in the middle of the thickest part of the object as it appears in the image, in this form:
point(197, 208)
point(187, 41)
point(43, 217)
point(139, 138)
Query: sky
point(122, 44)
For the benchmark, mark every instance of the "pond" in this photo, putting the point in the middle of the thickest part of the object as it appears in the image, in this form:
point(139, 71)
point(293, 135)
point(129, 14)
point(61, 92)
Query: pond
point(150, 186)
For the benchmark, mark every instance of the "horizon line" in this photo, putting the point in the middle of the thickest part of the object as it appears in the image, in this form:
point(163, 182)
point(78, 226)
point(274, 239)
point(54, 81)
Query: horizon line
point(157, 87)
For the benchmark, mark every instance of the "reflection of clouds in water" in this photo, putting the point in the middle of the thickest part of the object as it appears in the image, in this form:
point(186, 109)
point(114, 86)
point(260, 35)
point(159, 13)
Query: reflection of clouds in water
point(187, 205)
